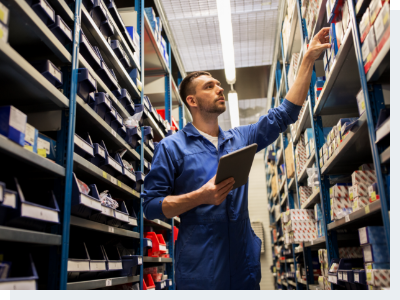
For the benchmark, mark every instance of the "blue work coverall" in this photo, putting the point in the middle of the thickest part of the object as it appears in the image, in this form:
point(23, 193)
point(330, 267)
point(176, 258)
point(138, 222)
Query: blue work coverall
point(216, 246)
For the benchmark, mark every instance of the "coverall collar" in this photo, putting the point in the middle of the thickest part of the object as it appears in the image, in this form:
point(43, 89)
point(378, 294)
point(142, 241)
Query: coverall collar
point(190, 130)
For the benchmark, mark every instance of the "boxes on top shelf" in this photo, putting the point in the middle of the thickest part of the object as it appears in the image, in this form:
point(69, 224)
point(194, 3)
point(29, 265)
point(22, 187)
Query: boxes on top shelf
point(365, 25)
point(373, 192)
point(374, 9)
point(44, 11)
point(363, 177)
point(382, 26)
point(369, 49)
point(340, 190)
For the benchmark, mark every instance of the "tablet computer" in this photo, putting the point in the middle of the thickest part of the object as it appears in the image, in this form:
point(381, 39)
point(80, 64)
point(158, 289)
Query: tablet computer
point(237, 165)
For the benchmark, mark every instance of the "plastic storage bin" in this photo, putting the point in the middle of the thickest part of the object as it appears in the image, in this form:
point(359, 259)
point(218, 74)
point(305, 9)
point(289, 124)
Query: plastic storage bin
point(7, 203)
point(121, 216)
point(148, 283)
point(126, 101)
point(127, 63)
point(83, 205)
point(113, 258)
point(346, 274)
point(106, 28)
point(22, 275)
point(78, 260)
point(86, 84)
point(49, 71)
point(97, 262)
point(132, 219)
point(111, 116)
point(105, 162)
point(102, 105)
point(141, 108)
point(148, 136)
point(89, 53)
point(44, 11)
point(108, 77)
point(133, 136)
point(130, 265)
point(139, 180)
point(159, 247)
point(61, 31)
point(117, 48)
point(98, 12)
point(83, 147)
point(34, 214)
point(128, 177)
point(118, 122)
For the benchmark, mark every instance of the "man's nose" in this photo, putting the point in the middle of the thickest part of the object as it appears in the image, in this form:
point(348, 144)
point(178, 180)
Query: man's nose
point(220, 89)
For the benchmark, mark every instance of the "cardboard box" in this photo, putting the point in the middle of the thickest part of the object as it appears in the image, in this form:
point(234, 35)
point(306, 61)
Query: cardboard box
point(363, 177)
point(321, 162)
point(365, 25)
point(31, 136)
point(366, 167)
point(360, 202)
point(373, 192)
point(377, 253)
point(13, 124)
point(46, 147)
point(339, 190)
point(382, 26)
point(360, 103)
point(300, 225)
point(305, 193)
point(299, 214)
point(378, 277)
point(339, 203)
point(318, 212)
point(372, 235)
point(289, 161)
point(350, 252)
point(374, 9)
point(360, 190)
point(369, 49)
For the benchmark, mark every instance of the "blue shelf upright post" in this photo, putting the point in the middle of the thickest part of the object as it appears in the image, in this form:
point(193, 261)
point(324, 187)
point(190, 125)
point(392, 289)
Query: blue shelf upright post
point(370, 104)
point(69, 158)
point(139, 7)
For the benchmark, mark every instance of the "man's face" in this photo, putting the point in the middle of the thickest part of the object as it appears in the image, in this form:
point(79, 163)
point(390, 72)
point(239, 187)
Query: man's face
point(209, 95)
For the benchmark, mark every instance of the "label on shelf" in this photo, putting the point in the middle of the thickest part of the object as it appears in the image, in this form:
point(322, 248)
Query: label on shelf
point(119, 183)
point(333, 279)
point(340, 275)
point(10, 200)
point(345, 276)
point(110, 229)
point(113, 133)
point(101, 152)
point(356, 277)
point(42, 152)
point(159, 259)
point(104, 175)
point(87, 201)
point(140, 261)
point(162, 247)
point(115, 165)
point(113, 180)
point(109, 282)
point(347, 218)
point(367, 209)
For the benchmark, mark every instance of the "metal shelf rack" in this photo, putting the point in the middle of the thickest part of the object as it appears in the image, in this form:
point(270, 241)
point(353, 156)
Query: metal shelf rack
point(28, 31)
point(337, 100)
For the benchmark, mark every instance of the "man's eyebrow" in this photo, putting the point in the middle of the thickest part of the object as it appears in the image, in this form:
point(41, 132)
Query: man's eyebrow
point(212, 81)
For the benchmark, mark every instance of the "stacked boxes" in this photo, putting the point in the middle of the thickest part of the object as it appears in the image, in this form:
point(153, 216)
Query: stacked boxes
point(374, 30)
point(323, 260)
point(299, 225)
point(305, 193)
point(156, 25)
point(319, 84)
point(376, 256)
point(323, 152)
point(300, 155)
point(294, 64)
point(361, 180)
point(340, 202)
point(309, 142)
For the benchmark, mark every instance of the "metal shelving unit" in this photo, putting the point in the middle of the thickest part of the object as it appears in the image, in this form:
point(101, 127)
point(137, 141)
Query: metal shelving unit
point(337, 100)
point(37, 95)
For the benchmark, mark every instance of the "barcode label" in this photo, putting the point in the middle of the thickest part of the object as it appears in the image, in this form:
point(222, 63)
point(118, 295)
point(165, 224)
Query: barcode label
point(110, 229)
point(109, 282)
point(347, 218)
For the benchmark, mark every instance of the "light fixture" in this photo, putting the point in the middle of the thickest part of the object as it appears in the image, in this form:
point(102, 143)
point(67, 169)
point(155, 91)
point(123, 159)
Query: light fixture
point(225, 30)
point(234, 108)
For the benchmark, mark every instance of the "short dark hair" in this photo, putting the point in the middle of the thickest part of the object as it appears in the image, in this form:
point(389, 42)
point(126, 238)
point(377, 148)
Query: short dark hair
point(186, 87)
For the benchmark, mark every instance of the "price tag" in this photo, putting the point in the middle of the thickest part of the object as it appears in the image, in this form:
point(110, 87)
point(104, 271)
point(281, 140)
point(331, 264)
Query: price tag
point(373, 196)
point(159, 259)
point(369, 275)
point(347, 218)
point(113, 132)
point(110, 229)
point(312, 242)
point(158, 222)
point(363, 105)
point(113, 180)
point(30, 148)
point(42, 152)
point(119, 183)
point(367, 209)
point(356, 277)
point(104, 175)
point(109, 282)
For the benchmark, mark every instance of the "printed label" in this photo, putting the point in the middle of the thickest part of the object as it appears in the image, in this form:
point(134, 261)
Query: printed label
point(48, 9)
point(101, 152)
point(115, 165)
point(367, 209)
point(113, 180)
point(140, 261)
point(356, 277)
point(111, 229)
point(108, 102)
point(119, 183)
point(347, 218)
point(104, 175)
point(66, 30)
point(113, 133)
point(92, 80)
point(363, 235)
point(345, 276)
point(109, 282)
point(10, 200)
point(17, 119)
point(41, 152)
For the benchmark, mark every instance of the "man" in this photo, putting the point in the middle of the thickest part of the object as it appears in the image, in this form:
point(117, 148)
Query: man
point(216, 247)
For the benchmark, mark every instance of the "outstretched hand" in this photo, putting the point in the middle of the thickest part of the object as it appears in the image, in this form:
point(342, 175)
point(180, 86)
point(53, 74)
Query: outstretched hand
point(319, 43)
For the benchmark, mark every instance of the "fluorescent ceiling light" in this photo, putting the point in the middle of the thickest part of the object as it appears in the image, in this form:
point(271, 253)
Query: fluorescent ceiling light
point(234, 109)
point(225, 30)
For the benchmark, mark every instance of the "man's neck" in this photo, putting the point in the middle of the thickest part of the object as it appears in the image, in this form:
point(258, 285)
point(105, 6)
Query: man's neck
point(209, 126)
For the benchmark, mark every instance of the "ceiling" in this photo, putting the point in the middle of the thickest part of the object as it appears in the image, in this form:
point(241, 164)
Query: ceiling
point(194, 25)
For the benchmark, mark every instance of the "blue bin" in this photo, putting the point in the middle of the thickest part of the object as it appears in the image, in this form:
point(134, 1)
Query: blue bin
point(127, 102)
point(106, 28)
point(111, 116)
point(105, 215)
point(8, 203)
point(146, 99)
point(78, 260)
point(141, 108)
point(132, 220)
point(49, 71)
point(346, 274)
point(126, 62)
point(133, 136)
point(102, 105)
point(22, 275)
point(360, 277)
point(83, 147)
point(122, 132)
point(121, 216)
point(118, 122)
point(88, 4)
point(117, 48)
point(97, 262)
point(128, 178)
point(98, 12)
point(33, 215)
point(89, 53)
point(139, 180)
point(44, 11)
point(83, 205)
point(108, 77)
point(113, 258)
point(160, 285)
point(105, 162)
point(86, 84)
point(130, 265)
point(147, 166)
point(61, 31)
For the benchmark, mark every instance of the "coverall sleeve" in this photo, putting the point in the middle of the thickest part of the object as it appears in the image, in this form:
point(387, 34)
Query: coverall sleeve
point(269, 126)
point(158, 184)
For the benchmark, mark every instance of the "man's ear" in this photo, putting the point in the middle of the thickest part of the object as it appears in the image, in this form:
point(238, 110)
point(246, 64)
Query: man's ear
point(191, 101)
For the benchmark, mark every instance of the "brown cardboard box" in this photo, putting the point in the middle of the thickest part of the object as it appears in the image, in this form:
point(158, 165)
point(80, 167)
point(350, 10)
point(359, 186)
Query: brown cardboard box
point(289, 161)
point(274, 186)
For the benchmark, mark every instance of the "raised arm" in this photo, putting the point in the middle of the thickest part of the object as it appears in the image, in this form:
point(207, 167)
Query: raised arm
point(298, 92)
